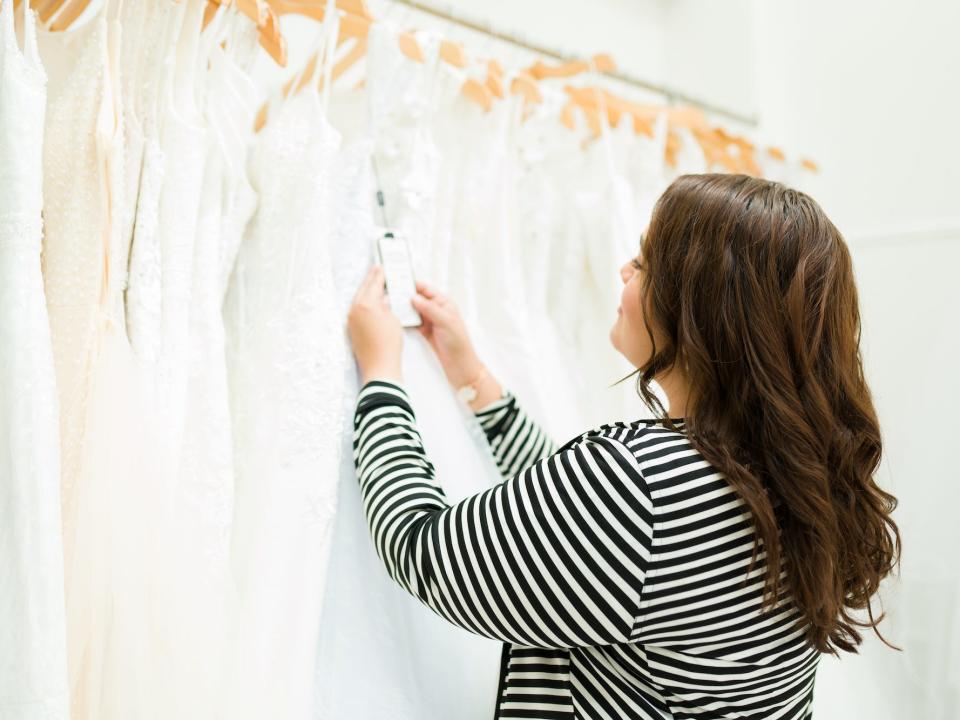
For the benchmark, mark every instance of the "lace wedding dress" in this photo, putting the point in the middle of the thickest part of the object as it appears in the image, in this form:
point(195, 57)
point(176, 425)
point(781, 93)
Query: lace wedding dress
point(33, 659)
point(286, 352)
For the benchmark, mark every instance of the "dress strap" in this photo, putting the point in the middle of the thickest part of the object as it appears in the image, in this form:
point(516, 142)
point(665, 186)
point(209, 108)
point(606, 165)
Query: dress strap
point(322, 53)
point(8, 35)
point(30, 50)
point(331, 22)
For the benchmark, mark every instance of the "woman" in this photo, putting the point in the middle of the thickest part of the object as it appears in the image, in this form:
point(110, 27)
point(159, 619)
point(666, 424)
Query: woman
point(695, 565)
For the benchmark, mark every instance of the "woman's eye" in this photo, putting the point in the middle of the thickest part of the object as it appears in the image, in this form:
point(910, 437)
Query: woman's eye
point(636, 264)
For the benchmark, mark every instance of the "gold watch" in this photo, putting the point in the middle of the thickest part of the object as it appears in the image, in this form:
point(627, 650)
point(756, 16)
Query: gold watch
point(468, 392)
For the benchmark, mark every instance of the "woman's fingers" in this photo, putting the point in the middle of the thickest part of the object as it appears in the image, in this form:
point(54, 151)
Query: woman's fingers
point(429, 308)
point(431, 293)
point(372, 286)
point(424, 289)
point(366, 282)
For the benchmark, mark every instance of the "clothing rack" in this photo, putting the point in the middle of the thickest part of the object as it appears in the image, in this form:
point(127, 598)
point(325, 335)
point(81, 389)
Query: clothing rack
point(672, 96)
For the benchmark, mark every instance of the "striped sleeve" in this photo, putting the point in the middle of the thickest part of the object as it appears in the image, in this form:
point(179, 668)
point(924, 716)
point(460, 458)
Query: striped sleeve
point(553, 557)
point(516, 440)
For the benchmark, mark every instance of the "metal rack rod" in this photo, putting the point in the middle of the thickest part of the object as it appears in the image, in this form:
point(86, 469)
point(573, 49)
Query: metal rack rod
point(672, 96)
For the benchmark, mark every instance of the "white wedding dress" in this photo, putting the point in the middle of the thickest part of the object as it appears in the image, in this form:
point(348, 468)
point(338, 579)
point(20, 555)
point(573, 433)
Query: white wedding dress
point(200, 607)
point(108, 490)
point(369, 622)
point(610, 229)
point(76, 132)
point(286, 353)
point(33, 658)
point(549, 172)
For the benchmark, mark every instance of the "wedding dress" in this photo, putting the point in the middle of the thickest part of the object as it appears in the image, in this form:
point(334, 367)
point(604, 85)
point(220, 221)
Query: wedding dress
point(286, 353)
point(203, 498)
point(143, 293)
point(368, 621)
point(610, 235)
point(33, 659)
point(108, 506)
point(549, 159)
point(77, 128)
point(183, 140)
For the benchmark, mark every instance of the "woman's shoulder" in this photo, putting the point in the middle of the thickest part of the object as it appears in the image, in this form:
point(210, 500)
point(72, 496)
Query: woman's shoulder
point(664, 456)
point(633, 433)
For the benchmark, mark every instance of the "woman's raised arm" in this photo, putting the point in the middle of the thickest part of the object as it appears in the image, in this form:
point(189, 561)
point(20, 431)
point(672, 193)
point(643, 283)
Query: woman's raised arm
point(554, 556)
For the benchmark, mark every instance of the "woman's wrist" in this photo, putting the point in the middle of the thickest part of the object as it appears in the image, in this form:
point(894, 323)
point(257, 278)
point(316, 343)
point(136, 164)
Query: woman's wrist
point(388, 373)
point(474, 384)
point(488, 391)
point(464, 372)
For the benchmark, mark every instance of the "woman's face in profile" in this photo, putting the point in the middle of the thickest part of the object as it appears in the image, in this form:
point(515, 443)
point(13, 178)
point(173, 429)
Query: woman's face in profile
point(628, 334)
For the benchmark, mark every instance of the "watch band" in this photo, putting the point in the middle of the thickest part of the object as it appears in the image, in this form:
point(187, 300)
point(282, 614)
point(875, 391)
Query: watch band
point(468, 392)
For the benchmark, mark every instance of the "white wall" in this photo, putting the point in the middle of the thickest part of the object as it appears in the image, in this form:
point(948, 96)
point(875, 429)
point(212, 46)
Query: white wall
point(870, 90)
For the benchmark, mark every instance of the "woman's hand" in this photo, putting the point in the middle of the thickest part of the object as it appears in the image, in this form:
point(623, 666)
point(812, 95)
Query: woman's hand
point(375, 332)
point(444, 330)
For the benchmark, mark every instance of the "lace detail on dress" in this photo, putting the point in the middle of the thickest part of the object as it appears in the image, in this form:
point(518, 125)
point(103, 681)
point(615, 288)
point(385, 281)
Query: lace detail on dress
point(19, 229)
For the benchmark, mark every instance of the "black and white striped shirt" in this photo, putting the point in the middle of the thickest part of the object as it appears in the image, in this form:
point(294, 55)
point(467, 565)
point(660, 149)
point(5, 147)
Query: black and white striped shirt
point(614, 568)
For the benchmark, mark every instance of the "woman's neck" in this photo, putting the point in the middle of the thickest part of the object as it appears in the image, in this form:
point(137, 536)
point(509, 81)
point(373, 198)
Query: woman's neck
point(675, 387)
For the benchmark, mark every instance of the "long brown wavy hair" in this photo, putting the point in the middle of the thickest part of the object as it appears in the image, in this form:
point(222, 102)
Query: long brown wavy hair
point(753, 287)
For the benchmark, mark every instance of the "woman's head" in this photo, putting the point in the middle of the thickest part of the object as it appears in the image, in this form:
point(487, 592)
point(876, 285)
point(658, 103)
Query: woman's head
point(746, 288)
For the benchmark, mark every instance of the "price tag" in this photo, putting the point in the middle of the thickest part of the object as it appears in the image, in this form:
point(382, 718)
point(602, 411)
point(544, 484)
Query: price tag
point(397, 263)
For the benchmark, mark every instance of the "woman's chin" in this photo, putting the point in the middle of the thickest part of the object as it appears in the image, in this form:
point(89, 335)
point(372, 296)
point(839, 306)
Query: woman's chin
point(614, 335)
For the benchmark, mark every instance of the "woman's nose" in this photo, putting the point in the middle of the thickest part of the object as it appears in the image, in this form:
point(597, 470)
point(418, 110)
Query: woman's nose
point(625, 272)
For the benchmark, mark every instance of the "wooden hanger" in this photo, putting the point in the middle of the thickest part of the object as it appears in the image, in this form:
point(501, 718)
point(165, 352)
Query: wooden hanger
point(599, 63)
point(261, 14)
point(810, 165)
point(603, 63)
point(410, 47)
point(714, 142)
point(359, 30)
point(67, 15)
point(525, 84)
point(568, 115)
point(453, 54)
point(254, 10)
point(585, 98)
point(314, 9)
point(358, 50)
point(46, 8)
point(270, 38)
point(592, 116)
point(479, 93)
point(748, 157)
point(351, 26)
point(494, 81)
point(743, 159)
point(209, 12)
point(541, 70)
point(672, 148)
